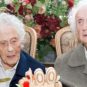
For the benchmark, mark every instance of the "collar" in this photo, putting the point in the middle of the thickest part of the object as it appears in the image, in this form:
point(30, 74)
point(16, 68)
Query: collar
point(85, 52)
point(77, 58)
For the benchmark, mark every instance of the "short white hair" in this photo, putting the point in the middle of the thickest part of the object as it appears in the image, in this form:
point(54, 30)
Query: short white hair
point(73, 12)
point(8, 19)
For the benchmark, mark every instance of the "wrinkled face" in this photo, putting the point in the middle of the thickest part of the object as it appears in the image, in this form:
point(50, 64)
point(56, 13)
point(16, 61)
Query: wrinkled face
point(81, 24)
point(9, 46)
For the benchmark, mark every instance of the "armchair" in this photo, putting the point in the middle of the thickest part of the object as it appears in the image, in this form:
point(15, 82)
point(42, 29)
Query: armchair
point(30, 41)
point(65, 40)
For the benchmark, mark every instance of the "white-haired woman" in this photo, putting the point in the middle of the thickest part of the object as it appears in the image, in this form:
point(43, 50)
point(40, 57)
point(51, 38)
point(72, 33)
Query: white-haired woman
point(13, 61)
point(72, 66)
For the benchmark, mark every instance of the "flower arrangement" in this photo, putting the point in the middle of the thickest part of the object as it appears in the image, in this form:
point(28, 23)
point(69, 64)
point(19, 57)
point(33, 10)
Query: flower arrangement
point(45, 16)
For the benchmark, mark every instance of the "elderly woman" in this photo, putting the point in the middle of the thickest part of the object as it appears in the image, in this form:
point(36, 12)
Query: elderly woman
point(72, 66)
point(14, 62)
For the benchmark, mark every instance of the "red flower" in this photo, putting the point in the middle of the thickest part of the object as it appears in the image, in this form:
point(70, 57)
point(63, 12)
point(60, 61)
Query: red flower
point(53, 23)
point(49, 24)
point(11, 8)
point(33, 2)
point(21, 9)
point(70, 3)
point(26, 84)
point(45, 33)
point(40, 18)
point(27, 1)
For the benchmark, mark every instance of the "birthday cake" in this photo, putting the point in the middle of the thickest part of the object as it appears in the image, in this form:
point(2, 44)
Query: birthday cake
point(39, 79)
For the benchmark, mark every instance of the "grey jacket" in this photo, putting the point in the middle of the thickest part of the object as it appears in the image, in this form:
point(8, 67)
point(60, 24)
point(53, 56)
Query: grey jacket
point(72, 68)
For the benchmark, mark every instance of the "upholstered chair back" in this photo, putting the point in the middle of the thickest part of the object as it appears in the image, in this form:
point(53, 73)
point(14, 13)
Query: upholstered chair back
point(30, 41)
point(65, 40)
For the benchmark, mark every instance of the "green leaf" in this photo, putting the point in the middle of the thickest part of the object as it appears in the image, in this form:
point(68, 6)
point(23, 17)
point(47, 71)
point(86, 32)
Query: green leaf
point(35, 9)
point(42, 1)
point(17, 7)
point(15, 1)
point(29, 6)
point(44, 50)
point(30, 23)
point(2, 4)
point(18, 85)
